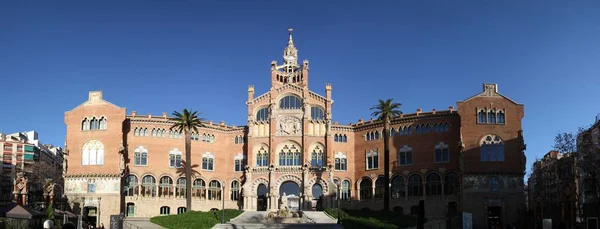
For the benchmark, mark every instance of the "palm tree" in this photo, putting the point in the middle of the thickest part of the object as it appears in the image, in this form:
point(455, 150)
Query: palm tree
point(385, 110)
point(188, 123)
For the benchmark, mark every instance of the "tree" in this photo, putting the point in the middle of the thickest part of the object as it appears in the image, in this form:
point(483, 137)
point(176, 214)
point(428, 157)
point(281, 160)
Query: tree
point(188, 123)
point(50, 212)
point(586, 159)
point(384, 111)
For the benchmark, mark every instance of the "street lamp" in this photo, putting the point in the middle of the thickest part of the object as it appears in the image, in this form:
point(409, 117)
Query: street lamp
point(223, 207)
point(337, 184)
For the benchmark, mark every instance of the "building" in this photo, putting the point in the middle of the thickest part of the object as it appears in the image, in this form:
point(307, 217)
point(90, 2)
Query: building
point(588, 148)
point(22, 153)
point(553, 190)
point(466, 159)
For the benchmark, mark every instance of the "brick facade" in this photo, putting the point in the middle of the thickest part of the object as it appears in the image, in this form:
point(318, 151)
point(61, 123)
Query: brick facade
point(297, 120)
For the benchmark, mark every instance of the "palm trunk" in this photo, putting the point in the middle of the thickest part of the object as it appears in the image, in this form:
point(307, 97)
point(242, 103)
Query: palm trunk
point(386, 163)
point(188, 171)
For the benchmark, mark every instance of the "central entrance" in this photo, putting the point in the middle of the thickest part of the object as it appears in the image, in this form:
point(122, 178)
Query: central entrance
point(494, 217)
point(289, 187)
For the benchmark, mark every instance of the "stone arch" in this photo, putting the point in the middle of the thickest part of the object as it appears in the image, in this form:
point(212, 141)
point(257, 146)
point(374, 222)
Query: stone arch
point(288, 177)
point(319, 181)
point(255, 184)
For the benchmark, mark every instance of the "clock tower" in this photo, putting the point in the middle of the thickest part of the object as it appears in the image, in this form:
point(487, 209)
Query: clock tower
point(290, 72)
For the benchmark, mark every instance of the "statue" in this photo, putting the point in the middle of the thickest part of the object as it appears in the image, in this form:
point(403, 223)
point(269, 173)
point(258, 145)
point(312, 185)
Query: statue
point(283, 202)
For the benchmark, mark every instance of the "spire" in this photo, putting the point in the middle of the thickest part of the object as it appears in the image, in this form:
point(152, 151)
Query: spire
point(290, 53)
point(290, 39)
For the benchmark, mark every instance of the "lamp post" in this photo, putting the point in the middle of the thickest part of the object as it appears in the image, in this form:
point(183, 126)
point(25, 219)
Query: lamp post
point(223, 207)
point(337, 184)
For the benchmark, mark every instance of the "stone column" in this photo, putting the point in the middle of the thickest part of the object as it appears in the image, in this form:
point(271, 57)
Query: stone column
point(405, 191)
point(424, 189)
point(442, 194)
point(139, 191)
point(24, 197)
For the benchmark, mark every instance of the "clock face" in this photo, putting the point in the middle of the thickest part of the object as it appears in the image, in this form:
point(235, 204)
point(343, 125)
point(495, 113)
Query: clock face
point(289, 58)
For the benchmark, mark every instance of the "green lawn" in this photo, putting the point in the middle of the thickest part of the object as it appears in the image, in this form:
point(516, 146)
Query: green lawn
point(358, 219)
point(194, 219)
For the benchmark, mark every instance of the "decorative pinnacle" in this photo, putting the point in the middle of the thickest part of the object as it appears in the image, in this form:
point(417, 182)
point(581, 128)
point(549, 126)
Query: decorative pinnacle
point(290, 40)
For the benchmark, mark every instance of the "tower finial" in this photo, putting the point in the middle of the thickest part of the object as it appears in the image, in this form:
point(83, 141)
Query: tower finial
point(290, 39)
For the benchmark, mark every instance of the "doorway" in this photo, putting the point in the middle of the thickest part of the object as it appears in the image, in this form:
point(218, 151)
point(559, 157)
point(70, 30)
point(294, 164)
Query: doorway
point(317, 193)
point(494, 217)
point(261, 200)
point(90, 214)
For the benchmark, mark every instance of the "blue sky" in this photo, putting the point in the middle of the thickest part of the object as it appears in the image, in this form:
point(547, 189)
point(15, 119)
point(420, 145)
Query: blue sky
point(154, 56)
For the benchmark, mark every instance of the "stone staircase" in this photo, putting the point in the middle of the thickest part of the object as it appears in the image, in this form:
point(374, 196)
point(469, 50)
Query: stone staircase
point(256, 220)
point(278, 226)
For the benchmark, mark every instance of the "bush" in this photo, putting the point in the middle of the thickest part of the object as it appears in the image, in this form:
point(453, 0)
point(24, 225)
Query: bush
point(372, 219)
point(195, 219)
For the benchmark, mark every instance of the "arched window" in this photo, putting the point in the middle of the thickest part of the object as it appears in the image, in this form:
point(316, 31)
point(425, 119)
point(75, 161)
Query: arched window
point(103, 123)
point(165, 187)
point(415, 185)
point(238, 163)
point(163, 133)
point(262, 114)
point(335, 138)
point(441, 153)
point(405, 155)
point(290, 102)
point(492, 148)
point(345, 190)
point(376, 134)
point(500, 117)
point(434, 184)
point(316, 158)
point(379, 187)
point(345, 139)
point(92, 153)
point(341, 162)
point(409, 131)
point(180, 191)
point(199, 189)
point(398, 188)
point(436, 127)
point(368, 136)
point(316, 113)
point(85, 124)
point(481, 117)
point(446, 127)
point(148, 186)
point(451, 184)
point(414, 210)
point(175, 158)
point(214, 190)
point(392, 132)
point(491, 117)
point(372, 160)
point(130, 209)
point(262, 157)
point(153, 132)
point(289, 156)
point(208, 161)
point(418, 129)
point(165, 210)
point(181, 210)
point(427, 128)
point(235, 193)
point(94, 124)
point(373, 135)
point(366, 189)
point(131, 185)
point(140, 155)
